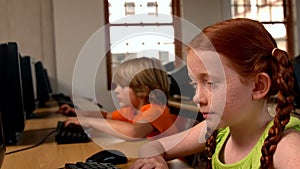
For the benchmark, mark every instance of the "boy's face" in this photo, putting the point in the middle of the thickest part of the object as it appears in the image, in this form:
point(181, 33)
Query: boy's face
point(126, 96)
point(219, 93)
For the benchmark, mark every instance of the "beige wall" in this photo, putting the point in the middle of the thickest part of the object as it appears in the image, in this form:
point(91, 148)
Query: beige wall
point(75, 21)
point(30, 24)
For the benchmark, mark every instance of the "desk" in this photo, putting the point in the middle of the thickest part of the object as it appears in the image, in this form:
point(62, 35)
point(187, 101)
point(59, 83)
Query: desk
point(50, 155)
point(183, 104)
point(185, 108)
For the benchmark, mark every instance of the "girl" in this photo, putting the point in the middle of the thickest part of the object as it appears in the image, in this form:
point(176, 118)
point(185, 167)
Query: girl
point(242, 133)
point(141, 90)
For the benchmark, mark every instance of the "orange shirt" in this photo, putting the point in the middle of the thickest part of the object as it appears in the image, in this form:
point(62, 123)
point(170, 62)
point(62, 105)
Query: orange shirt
point(158, 115)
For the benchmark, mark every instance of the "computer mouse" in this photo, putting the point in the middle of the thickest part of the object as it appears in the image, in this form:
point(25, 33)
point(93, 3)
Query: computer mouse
point(108, 156)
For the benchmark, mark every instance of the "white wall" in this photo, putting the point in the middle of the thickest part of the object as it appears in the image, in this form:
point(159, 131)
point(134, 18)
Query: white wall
point(30, 24)
point(203, 13)
point(75, 21)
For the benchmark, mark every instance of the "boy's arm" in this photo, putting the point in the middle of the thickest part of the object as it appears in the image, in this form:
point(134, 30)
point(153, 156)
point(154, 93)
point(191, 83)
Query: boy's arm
point(67, 110)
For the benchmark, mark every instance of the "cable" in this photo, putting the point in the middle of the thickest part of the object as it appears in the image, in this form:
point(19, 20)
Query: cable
point(26, 148)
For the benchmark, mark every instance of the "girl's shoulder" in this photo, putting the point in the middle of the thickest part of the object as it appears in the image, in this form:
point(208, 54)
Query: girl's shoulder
point(288, 148)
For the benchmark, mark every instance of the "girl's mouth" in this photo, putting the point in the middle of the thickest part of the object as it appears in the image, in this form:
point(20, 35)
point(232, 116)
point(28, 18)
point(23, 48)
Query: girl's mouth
point(205, 115)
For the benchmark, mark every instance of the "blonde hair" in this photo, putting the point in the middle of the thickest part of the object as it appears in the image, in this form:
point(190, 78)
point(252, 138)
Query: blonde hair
point(144, 75)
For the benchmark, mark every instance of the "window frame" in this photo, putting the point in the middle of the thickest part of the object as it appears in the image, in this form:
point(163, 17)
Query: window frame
point(287, 22)
point(177, 35)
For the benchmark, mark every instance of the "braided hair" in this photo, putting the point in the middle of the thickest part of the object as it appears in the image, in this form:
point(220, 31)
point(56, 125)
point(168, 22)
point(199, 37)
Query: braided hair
point(251, 50)
point(284, 81)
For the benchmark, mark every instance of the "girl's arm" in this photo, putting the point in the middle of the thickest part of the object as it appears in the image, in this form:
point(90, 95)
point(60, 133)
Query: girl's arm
point(179, 145)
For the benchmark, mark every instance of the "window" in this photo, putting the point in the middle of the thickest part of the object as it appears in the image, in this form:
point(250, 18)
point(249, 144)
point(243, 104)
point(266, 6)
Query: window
point(152, 8)
point(138, 28)
point(275, 16)
point(129, 8)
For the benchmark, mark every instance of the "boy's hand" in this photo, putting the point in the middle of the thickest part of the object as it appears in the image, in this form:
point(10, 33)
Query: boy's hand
point(84, 121)
point(66, 110)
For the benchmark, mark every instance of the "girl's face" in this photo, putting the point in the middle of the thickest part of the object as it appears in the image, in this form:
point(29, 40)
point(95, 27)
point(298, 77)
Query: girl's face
point(219, 93)
point(126, 96)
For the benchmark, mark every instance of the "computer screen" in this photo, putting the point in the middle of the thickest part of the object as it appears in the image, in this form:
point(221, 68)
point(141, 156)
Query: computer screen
point(180, 83)
point(42, 84)
point(11, 94)
point(48, 81)
point(2, 144)
point(27, 86)
point(33, 78)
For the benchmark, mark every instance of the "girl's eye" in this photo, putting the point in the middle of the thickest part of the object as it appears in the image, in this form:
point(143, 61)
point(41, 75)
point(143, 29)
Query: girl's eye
point(206, 83)
point(209, 83)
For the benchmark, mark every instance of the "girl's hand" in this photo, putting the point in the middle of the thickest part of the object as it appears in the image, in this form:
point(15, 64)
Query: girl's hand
point(157, 162)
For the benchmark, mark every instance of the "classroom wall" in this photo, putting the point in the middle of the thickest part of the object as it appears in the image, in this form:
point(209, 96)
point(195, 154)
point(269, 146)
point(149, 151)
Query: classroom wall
point(74, 22)
point(30, 24)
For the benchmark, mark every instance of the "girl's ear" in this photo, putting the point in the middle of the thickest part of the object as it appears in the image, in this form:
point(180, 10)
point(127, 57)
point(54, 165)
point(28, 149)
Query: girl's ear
point(262, 86)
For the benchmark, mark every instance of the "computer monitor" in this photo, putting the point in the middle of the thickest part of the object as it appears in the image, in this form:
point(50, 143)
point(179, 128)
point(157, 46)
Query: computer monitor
point(2, 144)
point(11, 94)
point(48, 82)
point(297, 81)
point(42, 84)
point(180, 83)
point(27, 86)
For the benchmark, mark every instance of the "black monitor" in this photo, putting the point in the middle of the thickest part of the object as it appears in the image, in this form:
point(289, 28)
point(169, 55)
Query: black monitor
point(180, 83)
point(42, 84)
point(2, 144)
point(297, 81)
point(48, 81)
point(27, 86)
point(11, 94)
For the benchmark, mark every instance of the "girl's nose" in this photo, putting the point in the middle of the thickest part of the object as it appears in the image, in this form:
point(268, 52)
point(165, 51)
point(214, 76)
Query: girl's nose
point(200, 97)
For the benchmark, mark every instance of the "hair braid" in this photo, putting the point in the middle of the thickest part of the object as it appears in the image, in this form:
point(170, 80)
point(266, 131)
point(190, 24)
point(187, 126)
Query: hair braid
point(283, 79)
point(210, 148)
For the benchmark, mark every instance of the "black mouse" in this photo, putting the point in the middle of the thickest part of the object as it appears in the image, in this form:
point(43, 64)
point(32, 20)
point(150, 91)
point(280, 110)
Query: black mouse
point(108, 156)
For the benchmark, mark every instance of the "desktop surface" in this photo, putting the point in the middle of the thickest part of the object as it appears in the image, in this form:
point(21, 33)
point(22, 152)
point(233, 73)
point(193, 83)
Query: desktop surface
point(51, 155)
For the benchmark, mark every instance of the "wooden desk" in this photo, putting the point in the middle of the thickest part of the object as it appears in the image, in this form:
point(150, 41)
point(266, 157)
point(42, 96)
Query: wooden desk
point(185, 108)
point(183, 104)
point(50, 155)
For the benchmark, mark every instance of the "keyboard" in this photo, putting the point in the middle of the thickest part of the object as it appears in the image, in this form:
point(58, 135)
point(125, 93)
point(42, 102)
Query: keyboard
point(90, 165)
point(71, 133)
